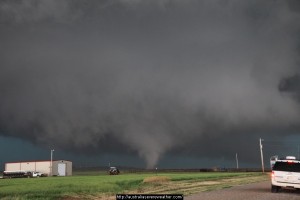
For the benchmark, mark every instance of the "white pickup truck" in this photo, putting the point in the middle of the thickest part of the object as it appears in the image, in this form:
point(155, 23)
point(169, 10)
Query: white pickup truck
point(286, 174)
point(36, 174)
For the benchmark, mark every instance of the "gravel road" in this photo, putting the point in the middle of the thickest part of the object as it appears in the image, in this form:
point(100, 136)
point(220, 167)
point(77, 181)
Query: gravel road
point(254, 191)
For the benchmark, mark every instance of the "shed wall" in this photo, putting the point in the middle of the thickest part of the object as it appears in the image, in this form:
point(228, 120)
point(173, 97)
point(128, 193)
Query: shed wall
point(40, 166)
point(68, 167)
point(12, 166)
point(28, 166)
point(43, 167)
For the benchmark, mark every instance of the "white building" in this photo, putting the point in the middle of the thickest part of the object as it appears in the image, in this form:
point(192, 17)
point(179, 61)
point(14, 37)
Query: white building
point(59, 168)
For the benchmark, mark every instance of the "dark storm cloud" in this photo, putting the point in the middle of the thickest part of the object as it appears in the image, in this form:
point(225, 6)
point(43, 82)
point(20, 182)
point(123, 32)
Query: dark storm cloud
point(148, 77)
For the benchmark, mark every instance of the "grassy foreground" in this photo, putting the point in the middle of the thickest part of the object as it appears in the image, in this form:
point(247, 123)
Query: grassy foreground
point(105, 187)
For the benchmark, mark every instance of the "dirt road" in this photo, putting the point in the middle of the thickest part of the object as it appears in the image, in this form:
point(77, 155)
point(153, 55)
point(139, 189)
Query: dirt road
point(254, 191)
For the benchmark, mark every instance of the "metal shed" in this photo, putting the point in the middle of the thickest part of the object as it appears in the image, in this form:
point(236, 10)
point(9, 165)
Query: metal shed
point(59, 168)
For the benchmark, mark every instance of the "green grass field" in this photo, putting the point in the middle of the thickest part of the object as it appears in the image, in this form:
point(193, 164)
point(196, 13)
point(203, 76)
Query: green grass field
point(103, 186)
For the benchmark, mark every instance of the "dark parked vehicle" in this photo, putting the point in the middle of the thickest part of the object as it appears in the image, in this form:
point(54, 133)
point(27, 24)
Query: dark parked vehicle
point(113, 171)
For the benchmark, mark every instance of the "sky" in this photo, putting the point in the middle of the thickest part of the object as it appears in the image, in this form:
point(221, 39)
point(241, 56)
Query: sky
point(160, 83)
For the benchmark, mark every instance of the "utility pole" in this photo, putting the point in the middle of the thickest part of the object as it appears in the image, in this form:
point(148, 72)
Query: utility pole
point(298, 153)
point(237, 161)
point(261, 155)
point(51, 170)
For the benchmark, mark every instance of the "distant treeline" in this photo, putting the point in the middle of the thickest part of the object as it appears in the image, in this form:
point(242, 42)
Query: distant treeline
point(140, 170)
point(196, 170)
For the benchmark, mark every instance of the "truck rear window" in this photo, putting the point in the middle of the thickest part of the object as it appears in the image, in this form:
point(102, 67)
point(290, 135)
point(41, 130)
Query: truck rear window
point(287, 166)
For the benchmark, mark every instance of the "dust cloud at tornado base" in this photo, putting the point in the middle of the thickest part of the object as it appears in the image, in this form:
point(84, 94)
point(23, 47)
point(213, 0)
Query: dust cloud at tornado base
point(149, 77)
